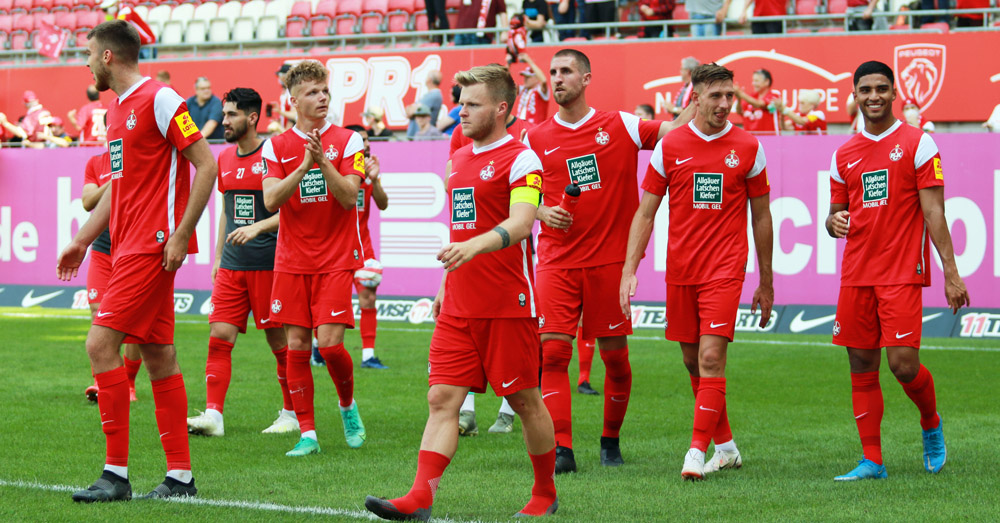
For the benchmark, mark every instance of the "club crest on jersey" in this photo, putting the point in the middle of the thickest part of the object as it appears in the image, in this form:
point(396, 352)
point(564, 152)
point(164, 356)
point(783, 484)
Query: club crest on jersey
point(602, 138)
point(160, 236)
point(896, 153)
point(487, 172)
point(331, 153)
point(836, 328)
point(259, 168)
point(131, 120)
point(732, 161)
point(276, 306)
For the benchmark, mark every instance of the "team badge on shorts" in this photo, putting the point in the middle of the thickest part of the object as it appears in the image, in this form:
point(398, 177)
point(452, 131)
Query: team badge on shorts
point(541, 321)
point(836, 328)
point(896, 153)
point(211, 307)
point(93, 294)
point(602, 138)
point(732, 161)
point(487, 172)
point(131, 120)
point(276, 306)
point(520, 299)
point(331, 153)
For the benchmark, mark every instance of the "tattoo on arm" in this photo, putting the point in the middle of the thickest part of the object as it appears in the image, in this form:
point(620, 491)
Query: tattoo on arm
point(504, 236)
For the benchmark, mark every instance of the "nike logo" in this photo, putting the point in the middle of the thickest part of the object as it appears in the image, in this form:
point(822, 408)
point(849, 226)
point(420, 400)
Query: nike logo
point(164, 434)
point(103, 314)
point(103, 176)
point(615, 326)
point(105, 422)
point(930, 317)
point(799, 325)
point(226, 173)
point(550, 151)
point(849, 164)
point(702, 407)
point(30, 300)
point(286, 160)
point(859, 416)
point(265, 320)
point(714, 325)
point(452, 174)
point(901, 336)
point(511, 382)
point(337, 313)
point(549, 394)
point(618, 400)
point(679, 161)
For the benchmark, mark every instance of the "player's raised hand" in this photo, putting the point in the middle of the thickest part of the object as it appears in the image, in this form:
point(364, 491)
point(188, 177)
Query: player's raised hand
point(625, 293)
point(315, 147)
point(763, 296)
point(174, 252)
point(555, 217)
point(373, 168)
point(69, 261)
point(454, 255)
point(243, 234)
point(956, 293)
point(840, 223)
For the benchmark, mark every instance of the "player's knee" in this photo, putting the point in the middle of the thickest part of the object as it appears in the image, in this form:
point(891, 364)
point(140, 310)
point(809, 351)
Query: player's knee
point(904, 371)
point(366, 299)
point(691, 364)
point(862, 361)
point(439, 399)
point(711, 362)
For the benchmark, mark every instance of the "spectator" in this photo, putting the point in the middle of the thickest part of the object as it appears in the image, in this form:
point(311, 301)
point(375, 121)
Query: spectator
point(656, 10)
point(206, 109)
point(52, 135)
point(759, 115)
point(765, 8)
point(565, 13)
point(927, 5)
point(684, 93)
point(536, 14)
point(914, 117)
point(10, 132)
point(34, 117)
point(432, 99)
point(422, 121)
point(374, 118)
point(532, 103)
point(89, 119)
point(437, 17)
point(859, 12)
point(163, 76)
point(970, 19)
point(707, 10)
point(808, 119)
point(480, 14)
point(644, 111)
point(446, 124)
point(286, 113)
point(600, 12)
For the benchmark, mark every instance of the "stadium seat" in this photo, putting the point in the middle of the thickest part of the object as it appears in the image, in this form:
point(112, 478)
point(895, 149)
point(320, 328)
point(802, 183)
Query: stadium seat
point(348, 13)
point(88, 19)
point(832, 29)
point(374, 14)
point(836, 7)
point(183, 13)
point(254, 10)
point(941, 27)
point(65, 19)
point(218, 31)
point(398, 16)
point(230, 11)
point(420, 21)
point(268, 28)
point(159, 14)
point(242, 31)
point(6, 27)
point(798, 30)
point(20, 7)
point(805, 8)
point(142, 11)
point(85, 5)
point(205, 12)
point(277, 8)
point(44, 6)
point(319, 51)
point(900, 27)
point(322, 18)
point(172, 33)
point(62, 5)
point(19, 40)
point(6, 6)
point(680, 13)
point(195, 33)
point(295, 22)
point(43, 17)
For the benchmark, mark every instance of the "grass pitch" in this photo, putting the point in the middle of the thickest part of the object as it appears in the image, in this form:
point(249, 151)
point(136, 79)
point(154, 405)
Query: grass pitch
point(788, 399)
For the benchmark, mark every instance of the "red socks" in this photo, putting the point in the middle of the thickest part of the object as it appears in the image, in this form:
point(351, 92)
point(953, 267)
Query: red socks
point(171, 419)
point(132, 369)
point(709, 404)
point(543, 492)
point(282, 357)
point(723, 433)
point(430, 467)
point(617, 389)
point(866, 396)
point(218, 373)
point(921, 391)
point(300, 387)
point(556, 355)
point(369, 323)
point(112, 400)
point(585, 348)
point(341, 369)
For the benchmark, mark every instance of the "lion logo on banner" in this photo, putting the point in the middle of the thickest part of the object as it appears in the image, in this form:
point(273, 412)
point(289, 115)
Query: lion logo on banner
point(920, 72)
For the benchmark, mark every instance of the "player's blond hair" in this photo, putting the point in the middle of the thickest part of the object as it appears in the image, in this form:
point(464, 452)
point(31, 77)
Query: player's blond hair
point(497, 80)
point(306, 71)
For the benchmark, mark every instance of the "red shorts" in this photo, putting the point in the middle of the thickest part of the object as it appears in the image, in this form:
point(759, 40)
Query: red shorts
point(880, 316)
point(311, 300)
point(565, 294)
point(139, 300)
point(237, 293)
point(98, 275)
point(468, 352)
point(707, 308)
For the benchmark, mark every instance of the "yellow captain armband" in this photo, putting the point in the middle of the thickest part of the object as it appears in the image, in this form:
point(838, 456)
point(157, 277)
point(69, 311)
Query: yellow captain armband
point(525, 195)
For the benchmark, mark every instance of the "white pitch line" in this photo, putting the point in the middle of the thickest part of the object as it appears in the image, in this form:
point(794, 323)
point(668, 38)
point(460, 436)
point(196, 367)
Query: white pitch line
point(223, 503)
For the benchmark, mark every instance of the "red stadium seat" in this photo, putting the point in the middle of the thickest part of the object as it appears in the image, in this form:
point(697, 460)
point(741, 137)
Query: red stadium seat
point(348, 13)
point(798, 30)
point(403, 6)
point(43, 17)
point(836, 7)
point(86, 5)
point(941, 27)
point(319, 51)
point(374, 15)
point(21, 6)
point(66, 20)
point(322, 18)
point(398, 22)
point(6, 6)
point(296, 22)
point(62, 5)
point(833, 29)
point(301, 9)
point(23, 23)
point(42, 5)
point(805, 7)
point(19, 40)
point(88, 19)
point(452, 19)
point(420, 21)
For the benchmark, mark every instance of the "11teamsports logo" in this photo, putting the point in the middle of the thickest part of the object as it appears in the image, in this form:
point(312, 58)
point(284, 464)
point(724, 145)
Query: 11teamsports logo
point(463, 208)
point(583, 172)
point(875, 188)
point(312, 187)
point(243, 209)
point(116, 151)
point(707, 190)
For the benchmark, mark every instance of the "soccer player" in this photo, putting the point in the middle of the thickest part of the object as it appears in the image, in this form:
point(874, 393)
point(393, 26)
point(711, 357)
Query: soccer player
point(886, 197)
point(95, 183)
point(313, 174)
point(580, 256)
point(244, 264)
point(487, 331)
point(367, 279)
point(153, 209)
point(711, 170)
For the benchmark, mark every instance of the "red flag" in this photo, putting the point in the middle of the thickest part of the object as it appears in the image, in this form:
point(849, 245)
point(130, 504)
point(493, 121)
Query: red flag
point(50, 40)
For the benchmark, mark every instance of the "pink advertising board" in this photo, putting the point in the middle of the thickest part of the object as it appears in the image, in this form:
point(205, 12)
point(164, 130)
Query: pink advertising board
point(40, 210)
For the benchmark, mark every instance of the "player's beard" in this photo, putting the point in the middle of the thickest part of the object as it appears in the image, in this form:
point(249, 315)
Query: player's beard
point(234, 133)
point(566, 97)
point(101, 75)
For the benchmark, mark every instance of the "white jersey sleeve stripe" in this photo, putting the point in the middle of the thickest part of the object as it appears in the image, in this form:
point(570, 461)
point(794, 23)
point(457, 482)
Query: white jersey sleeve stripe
point(165, 105)
point(525, 141)
point(759, 162)
point(657, 159)
point(354, 145)
point(925, 151)
point(526, 162)
point(267, 152)
point(834, 172)
point(631, 122)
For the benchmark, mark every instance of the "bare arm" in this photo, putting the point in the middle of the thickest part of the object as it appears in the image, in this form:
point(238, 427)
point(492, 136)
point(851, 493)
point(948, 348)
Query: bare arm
point(838, 220)
point(92, 194)
point(209, 128)
point(638, 239)
point(720, 15)
point(374, 171)
point(205, 171)
point(543, 82)
point(932, 204)
point(73, 254)
point(277, 192)
point(246, 233)
point(763, 237)
point(683, 118)
point(517, 227)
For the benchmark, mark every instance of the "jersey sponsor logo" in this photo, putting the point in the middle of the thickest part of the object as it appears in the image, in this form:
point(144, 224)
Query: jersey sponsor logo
point(359, 162)
point(732, 160)
point(876, 188)
point(244, 209)
point(116, 150)
point(534, 181)
point(583, 171)
point(312, 187)
point(896, 153)
point(332, 153)
point(185, 124)
point(463, 208)
point(707, 190)
point(131, 121)
point(938, 173)
point(361, 200)
point(602, 137)
point(487, 172)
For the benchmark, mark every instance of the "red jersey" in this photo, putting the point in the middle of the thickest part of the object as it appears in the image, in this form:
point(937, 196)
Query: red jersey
point(532, 104)
point(98, 172)
point(364, 212)
point(770, 7)
point(516, 128)
point(148, 127)
point(598, 153)
point(243, 204)
point(498, 284)
point(285, 101)
point(760, 121)
point(879, 178)
point(91, 120)
point(710, 179)
point(31, 124)
point(816, 123)
point(315, 233)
